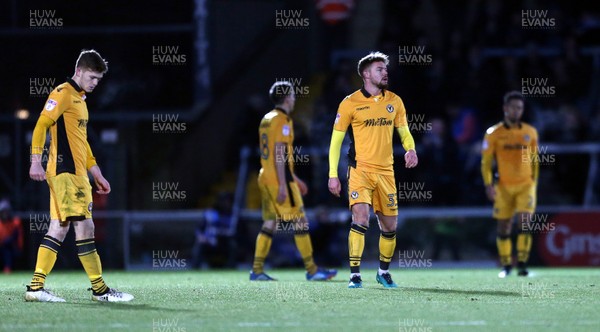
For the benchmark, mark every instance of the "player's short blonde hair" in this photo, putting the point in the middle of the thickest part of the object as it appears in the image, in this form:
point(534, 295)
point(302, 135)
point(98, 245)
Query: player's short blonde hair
point(369, 59)
point(279, 90)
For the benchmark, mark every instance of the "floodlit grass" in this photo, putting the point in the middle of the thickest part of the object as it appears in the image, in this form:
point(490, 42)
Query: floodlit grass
point(427, 300)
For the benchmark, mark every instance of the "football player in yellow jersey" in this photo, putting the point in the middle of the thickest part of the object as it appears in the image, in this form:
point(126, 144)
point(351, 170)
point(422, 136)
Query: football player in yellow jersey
point(513, 145)
point(280, 188)
point(371, 115)
point(69, 160)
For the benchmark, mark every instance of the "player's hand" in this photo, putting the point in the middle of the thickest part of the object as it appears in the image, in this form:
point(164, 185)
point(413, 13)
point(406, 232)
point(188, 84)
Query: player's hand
point(411, 159)
point(36, 171)
point(334, 186)
point(490, 192)
point(102, 185)
point(301, 185)
point(282, 194)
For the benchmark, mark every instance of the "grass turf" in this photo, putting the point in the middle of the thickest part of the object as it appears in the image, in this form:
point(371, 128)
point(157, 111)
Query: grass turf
point(427, 300)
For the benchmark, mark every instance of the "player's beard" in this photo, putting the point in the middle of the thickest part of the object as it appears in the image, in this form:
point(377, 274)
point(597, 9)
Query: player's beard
point(381, 85)
point(513, 119)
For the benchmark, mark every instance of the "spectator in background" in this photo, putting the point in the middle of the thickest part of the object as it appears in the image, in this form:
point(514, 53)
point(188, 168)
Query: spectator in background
point(573, 126)
point(463, 123)
point(11, 236)
point(439, 154)
point(214, 242)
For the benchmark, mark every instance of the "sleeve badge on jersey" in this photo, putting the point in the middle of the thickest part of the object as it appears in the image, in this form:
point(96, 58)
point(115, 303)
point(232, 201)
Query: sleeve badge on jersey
point(337, 118)
point(285, 130)
point(484, 144)
point(50, 105)
point(390, 108)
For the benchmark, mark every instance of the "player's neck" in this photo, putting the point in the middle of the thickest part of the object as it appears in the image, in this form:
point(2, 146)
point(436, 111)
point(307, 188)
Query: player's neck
point(284, 108)
point(74, 78)
point(511, 124)
point(372, 89)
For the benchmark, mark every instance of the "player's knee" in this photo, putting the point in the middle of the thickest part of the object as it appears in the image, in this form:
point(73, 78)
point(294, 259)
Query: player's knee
point(84, 229)
point(387, 223)
point(360, 218)
point(388, 227)
point(523, 218)
point(57, 231)
point(504, 227)
point(268, 225)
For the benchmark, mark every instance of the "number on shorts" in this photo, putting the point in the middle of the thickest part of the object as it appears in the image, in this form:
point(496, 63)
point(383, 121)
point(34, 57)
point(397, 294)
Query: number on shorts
point(392, 199)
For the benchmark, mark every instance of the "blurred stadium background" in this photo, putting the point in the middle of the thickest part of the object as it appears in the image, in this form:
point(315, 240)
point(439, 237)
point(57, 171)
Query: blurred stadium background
point(174, 122)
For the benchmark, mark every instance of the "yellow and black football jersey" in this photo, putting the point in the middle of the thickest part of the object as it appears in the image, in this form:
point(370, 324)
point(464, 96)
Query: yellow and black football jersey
point(69, 149)
point(371, 121)
point(275, 127)
point(515, 151)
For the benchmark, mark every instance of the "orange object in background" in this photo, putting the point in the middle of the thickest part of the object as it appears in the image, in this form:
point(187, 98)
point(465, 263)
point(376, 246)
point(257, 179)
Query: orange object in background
point(9, 227)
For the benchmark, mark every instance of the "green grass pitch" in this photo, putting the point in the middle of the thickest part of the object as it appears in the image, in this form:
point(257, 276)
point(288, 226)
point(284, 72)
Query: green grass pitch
point(427, 300)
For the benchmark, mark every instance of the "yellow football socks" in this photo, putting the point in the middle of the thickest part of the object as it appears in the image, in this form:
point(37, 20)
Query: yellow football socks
point(504, 244)
point(45, 261)
point(304, 245)
point(86, 250)
point(263, 245)
point(387, 245)
point(356, 245)
point(523, 247)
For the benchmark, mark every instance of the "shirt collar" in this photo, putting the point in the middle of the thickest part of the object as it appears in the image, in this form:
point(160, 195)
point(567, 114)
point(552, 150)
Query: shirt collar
point(76, 87)
point(368, 95)
point(507, 126)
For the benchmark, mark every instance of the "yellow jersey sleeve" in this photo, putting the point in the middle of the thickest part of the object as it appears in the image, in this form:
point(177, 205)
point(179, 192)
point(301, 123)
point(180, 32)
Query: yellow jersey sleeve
point(487, 158)
point(535, 165)
point(337, 137)
point(400, 120)
point(90, 160)
point(281, 131)
point(408, 142)
point(57, 103)
point(38, 138)
point(343, 118)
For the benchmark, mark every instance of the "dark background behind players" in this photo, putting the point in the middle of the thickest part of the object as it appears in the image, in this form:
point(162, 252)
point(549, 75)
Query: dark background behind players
point(170, 126)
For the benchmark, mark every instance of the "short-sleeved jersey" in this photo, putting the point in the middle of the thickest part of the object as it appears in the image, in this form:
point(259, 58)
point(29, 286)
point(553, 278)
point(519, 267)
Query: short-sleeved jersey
point(68, 146)
point(513, 149)
point(275, 127)
point(371, 120)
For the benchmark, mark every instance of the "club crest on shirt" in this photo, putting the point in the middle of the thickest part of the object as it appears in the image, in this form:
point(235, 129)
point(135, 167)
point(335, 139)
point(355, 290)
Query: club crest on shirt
point(390, 108)
point(285, 130)
point(526, 138)
point(50, 104)
point(354, 195)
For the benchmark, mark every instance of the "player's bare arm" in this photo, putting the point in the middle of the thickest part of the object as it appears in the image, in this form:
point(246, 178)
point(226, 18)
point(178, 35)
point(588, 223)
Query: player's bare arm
point(101, 183)
point(411, 159)
point(490, 192)
point(280, 166)
point(408, 142)
point(36, 170)
point(301, 185)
